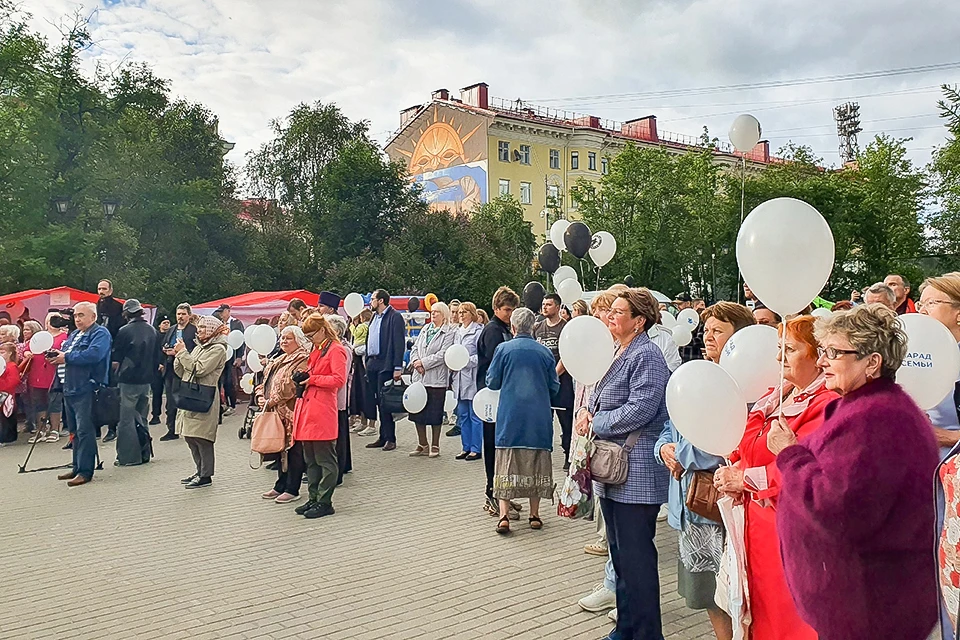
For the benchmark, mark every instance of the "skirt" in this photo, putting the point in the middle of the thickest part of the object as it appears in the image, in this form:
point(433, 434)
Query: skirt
point(523, 473)
point(432, 414)
point(701, 547)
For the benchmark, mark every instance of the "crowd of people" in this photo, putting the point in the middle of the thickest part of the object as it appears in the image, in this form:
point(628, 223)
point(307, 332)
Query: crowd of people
point(835, 469)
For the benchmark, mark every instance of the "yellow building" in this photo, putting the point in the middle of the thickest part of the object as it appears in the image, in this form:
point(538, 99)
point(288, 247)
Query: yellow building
point(468, 150)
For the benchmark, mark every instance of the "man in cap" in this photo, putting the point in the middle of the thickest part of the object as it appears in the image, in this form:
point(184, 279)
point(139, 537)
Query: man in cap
point(135, 362)
point(328, 303)
point(228, 378)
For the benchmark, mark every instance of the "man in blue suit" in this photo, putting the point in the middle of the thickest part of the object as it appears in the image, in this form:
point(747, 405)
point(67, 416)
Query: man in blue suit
point(384, 363)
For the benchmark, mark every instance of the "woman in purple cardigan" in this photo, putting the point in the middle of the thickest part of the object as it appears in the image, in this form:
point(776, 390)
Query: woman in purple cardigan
point(856, 504)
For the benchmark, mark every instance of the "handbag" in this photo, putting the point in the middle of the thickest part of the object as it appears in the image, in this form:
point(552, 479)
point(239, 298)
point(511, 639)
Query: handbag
point(609, 462)
point(391, 397)
point(268, 434)
point(106, 406)
point(195, 397)
point(702, 496)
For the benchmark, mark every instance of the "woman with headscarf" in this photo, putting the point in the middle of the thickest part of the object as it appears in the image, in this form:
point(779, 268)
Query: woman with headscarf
point(278, 393)
point(203, 365)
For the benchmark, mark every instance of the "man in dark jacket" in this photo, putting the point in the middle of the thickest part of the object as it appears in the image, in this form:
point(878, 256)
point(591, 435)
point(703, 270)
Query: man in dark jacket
point(385, 344)
point(497, 331)
point(135, 364)
point(109, 309)
point(187, 332)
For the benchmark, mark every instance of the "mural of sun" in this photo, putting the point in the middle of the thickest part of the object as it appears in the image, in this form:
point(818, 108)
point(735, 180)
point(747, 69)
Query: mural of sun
point(439, 146)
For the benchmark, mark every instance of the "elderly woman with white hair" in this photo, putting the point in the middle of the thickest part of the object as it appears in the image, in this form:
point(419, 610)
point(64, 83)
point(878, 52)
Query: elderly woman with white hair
point(344, 459)
point(429, 368)
point(278, 393)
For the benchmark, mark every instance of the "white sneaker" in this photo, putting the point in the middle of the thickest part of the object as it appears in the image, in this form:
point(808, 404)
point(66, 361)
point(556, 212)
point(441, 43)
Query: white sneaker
point(599, 600)
point(229, 411)
point(612, 614)
point(664, 512)
point(369, 431)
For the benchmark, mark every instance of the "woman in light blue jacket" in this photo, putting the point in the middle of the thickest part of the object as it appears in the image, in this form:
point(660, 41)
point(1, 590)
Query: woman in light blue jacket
point(464, 384)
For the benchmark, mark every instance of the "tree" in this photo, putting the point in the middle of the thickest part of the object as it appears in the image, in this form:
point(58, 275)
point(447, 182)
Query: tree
point(944, 221)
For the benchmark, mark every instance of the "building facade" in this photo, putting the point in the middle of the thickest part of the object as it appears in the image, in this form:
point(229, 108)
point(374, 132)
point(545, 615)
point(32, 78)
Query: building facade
point(469, 150)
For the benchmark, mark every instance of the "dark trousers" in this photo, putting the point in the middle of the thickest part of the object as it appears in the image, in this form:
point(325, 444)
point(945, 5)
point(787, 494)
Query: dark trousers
point(630, 532)
point(169, 382)
point(344, 459)
point(565, 417)
point(489, 454)
point(156, 396)
point(322, 470)
point(133, 404)
point(78, 414)
point(361, 401)
point(289, 481)
point(202, 451)
point(388, 428)
point(229, 388)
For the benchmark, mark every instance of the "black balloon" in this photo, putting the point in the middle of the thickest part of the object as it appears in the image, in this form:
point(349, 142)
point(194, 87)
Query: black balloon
point(549, 257)
point(533, 296)
point(628, 281)
point(413, 304)
point(577, 237)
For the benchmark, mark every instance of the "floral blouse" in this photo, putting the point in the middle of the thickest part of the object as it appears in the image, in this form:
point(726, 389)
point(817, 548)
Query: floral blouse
point(948, 555)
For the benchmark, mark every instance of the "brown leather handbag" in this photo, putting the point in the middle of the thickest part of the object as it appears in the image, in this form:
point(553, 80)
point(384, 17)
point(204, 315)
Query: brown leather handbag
point(702, 496)
point(268, 434)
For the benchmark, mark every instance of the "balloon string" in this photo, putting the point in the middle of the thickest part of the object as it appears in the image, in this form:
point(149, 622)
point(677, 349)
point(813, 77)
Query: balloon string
point(598, 279)
point(743, 183)
point(783, 359)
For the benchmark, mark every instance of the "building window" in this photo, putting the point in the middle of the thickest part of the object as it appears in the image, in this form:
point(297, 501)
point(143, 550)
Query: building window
point(592, 161)
point(604, 166)
point(574, 160)
point(524, 154)
point(503, 148)
point(504, 187)
point(526, 195)
point(554, 158)
point(553, 196)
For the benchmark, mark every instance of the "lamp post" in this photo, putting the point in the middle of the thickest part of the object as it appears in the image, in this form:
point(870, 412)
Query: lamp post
point(61, 204)
point(109, 207)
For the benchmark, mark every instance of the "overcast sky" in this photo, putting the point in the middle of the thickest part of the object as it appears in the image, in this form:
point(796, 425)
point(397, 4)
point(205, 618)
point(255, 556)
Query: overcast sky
point(253, 60)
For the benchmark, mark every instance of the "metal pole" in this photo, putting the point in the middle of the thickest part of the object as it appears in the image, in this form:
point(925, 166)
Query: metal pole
point(743, 182)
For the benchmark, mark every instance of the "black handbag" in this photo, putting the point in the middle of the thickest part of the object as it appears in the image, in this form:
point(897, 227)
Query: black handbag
point(106, 406)
point(391, 397)
point(195, 397)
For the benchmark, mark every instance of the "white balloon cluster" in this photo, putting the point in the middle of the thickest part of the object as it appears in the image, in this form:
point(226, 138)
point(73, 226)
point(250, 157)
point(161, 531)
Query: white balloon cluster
point(601, 249)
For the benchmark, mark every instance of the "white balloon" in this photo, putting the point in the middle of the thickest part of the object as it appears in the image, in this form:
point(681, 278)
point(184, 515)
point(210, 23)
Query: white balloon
point(745, 133)
point(353, 304)
point(682, 334)
point(557, 229)
point(689, 317)
point(486, 403)
point(570, 291)
point(603, 246)
point(247, 334)
point(415, 398)
point(253, 361)
point(707, 407)
point(230, 351)
point(932, 366)
point(456, 357)
point(785, 251)
point(40, 342)
point(667, 319)
point(564, 273)
point(449, 402)
point(262, 339)
point(586, 349)
point(750, 356)
point(821, 312)
point(235, 338)
point(246, 383)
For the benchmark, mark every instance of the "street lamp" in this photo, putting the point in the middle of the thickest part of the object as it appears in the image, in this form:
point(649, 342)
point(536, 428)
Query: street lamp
point(109, 207)
point(62, 204)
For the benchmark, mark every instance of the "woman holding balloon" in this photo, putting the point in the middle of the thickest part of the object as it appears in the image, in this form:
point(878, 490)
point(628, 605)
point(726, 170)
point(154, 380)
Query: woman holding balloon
point(464, 384)
point(800, 406)
point(429, 369)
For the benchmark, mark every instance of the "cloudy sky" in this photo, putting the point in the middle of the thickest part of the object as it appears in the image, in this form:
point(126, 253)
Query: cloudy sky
point(253, 60)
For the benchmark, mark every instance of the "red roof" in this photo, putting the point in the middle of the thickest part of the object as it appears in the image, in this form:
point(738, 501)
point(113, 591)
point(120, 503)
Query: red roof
point(261, 297)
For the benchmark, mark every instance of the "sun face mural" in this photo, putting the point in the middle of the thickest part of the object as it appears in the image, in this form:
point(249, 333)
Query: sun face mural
point(446, 152)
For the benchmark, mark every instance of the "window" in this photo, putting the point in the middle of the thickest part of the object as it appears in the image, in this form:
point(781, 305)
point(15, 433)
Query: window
point(504, 187)
point(554, 158)
point(526, 195)
point(503, 148)
point(553, 196)
point(592, 161)
point(574, 160)
point(604, 166)
point(524, 154)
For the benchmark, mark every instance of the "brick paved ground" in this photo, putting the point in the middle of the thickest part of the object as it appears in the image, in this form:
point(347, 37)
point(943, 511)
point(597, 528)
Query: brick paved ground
point(409, 554)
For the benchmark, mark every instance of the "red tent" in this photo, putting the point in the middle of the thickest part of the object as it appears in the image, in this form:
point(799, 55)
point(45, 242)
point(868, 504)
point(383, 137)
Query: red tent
point(36, 302)
point(248, 307)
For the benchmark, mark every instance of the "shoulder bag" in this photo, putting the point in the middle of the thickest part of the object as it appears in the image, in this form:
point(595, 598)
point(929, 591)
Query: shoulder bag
point(195, 397)
point(268, 434)
point(702, 496)
point(609, 462)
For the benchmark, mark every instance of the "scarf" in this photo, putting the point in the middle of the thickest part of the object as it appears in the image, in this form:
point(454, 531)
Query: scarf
point(432, 331)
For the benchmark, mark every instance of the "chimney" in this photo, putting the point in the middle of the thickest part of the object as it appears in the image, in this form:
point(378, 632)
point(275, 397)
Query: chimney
point(476, 95)
point(641, 129)
point(408, 114)
point(440, 94)
point(592, 122)
point(760, 153)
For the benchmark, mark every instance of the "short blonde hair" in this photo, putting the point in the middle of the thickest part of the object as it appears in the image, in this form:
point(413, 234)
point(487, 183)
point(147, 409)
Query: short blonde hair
point(603, 300)
point(870, 328)
point(33, 325)
point(442, 308)
point(948, 283)
point(470, 308)
point(9, 333)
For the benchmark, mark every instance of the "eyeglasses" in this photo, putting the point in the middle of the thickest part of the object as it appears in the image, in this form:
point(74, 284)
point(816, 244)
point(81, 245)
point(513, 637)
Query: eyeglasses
point(923, 305)
point(833, 354)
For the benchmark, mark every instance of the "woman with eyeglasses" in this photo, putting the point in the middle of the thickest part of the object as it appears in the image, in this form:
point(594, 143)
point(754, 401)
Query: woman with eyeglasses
point(464, 384)
point(856, 509)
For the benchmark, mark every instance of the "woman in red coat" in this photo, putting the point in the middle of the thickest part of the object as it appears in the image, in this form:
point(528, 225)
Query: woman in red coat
point(9, 379)
point(756, 480)
point(315, 418)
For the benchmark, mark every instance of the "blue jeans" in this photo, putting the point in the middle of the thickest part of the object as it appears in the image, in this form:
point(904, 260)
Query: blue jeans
point(610, 574)
point(78, 414)
point(471, 429)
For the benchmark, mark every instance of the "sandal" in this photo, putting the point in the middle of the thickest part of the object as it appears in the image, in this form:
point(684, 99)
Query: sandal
point(536, 522)
point(503, 526)
point(434, 452)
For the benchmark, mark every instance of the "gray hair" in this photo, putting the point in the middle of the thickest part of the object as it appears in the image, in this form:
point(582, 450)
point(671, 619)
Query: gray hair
point(522, 321)
point(869, 328)
point(880, 289)
point(442, 308)
point(298, 335)
point(89, 306)
point(338, 323)
point(11, 329)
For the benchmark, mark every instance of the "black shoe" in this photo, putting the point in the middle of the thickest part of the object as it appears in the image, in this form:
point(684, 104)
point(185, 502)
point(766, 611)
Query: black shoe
point(378, 444)
point(566, 466)
point(169, 436)
point(68, 446)
point(306, 506)
point(454, 432)
point(462, 455)
point(472, 456)
point(196, 483)
point(190, 479)
point(154, 420)
point(111, 436)
point(273, 466)
point(319, 510)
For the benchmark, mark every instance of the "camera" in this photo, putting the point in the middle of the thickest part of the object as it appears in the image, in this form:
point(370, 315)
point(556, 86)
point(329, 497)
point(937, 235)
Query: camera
point(62, 321)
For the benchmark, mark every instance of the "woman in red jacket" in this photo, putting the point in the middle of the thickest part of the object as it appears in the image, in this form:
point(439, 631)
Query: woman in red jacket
point(9, 379)
point(315, 419)
point(804, 398)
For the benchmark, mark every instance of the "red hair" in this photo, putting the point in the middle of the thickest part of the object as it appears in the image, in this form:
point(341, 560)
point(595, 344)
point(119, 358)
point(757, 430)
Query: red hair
point(801, 329)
